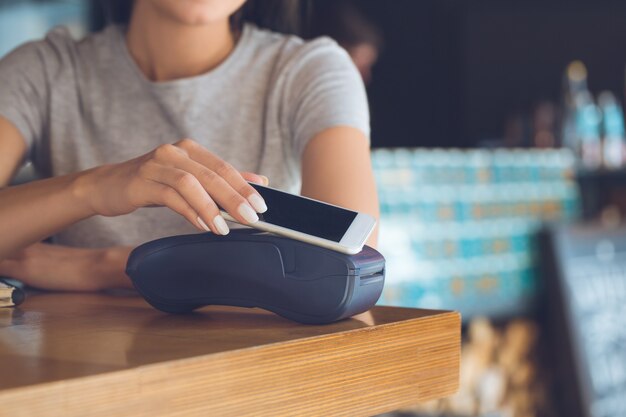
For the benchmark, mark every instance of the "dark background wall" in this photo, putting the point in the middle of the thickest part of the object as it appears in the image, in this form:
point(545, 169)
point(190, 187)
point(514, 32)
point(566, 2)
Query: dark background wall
point(452, 70)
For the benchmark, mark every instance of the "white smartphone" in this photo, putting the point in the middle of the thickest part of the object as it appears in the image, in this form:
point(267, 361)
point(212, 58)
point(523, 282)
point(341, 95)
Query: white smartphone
point(312, 221)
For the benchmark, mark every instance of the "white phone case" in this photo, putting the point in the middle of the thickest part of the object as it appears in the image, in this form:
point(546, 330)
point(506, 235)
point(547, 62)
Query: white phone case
point(362, 227)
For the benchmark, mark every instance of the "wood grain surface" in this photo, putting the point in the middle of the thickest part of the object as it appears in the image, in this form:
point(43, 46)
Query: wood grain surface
point(103, 355)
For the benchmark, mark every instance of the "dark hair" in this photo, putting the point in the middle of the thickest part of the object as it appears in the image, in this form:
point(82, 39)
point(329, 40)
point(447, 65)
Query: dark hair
point(285, 16)
point(345, 23)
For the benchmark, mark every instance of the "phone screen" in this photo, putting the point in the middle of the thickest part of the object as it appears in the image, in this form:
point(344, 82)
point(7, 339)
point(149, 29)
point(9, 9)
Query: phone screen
point(304, 215)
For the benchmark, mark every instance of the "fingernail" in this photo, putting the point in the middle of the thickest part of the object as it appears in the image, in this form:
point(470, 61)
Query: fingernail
point(203, 224)
point(258, 203)
point(247, 213)
point(266, 181)
point(220, 225)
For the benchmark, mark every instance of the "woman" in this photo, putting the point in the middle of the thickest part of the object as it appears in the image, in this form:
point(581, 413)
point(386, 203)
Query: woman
point(177, 108)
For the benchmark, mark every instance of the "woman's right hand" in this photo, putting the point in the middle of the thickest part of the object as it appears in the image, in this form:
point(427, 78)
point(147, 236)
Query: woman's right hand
point(183, 176)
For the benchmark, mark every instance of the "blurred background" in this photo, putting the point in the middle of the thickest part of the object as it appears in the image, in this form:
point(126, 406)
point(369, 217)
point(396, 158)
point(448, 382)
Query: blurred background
point(500, 156)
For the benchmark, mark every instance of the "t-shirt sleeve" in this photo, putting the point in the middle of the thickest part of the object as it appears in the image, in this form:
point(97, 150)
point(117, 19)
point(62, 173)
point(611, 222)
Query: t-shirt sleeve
point(324, 90)
point(23, 90)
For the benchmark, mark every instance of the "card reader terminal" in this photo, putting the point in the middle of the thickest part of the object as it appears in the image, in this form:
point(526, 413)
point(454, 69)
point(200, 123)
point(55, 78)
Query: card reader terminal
point(249, 268)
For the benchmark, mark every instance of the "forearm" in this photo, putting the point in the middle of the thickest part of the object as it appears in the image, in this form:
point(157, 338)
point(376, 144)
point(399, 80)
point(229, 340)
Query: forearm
point(29, 213)
point(64, 268)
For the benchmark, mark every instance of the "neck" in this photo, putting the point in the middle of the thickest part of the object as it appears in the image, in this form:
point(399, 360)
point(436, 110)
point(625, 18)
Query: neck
point(165, 49)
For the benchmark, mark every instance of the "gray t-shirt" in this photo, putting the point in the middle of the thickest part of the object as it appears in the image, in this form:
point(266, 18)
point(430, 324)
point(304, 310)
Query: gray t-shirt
point(80, 104)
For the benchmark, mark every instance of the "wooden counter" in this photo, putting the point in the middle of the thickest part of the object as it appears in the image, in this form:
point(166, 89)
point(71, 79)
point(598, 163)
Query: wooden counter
point(103, 355)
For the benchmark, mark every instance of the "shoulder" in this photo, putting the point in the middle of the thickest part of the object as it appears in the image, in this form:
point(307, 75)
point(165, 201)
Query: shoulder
point(293, 54)
point(61, 41)
point(51, 55)
point(33, 53)
point(32, 66)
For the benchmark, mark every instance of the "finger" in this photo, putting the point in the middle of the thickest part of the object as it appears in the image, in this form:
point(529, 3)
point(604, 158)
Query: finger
point(221, 192)
point(168, 197)
point(256, 178)
point(229, 174)
point(182, 185)
point(167, 154)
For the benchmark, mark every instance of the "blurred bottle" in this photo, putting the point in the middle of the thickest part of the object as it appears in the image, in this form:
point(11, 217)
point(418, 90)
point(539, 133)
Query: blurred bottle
point(544, 124)
point(588, 130)
point(614, 144)
point(574, 83)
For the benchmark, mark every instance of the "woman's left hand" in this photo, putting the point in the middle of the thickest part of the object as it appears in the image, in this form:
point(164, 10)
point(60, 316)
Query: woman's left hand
point(64, 268)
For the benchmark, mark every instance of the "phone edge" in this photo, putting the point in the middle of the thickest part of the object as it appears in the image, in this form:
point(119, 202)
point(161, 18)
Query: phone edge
point(293, 234)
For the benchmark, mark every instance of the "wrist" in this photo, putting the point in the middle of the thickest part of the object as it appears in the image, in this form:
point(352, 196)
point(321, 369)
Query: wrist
point(82, 188)
point(111, 264)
